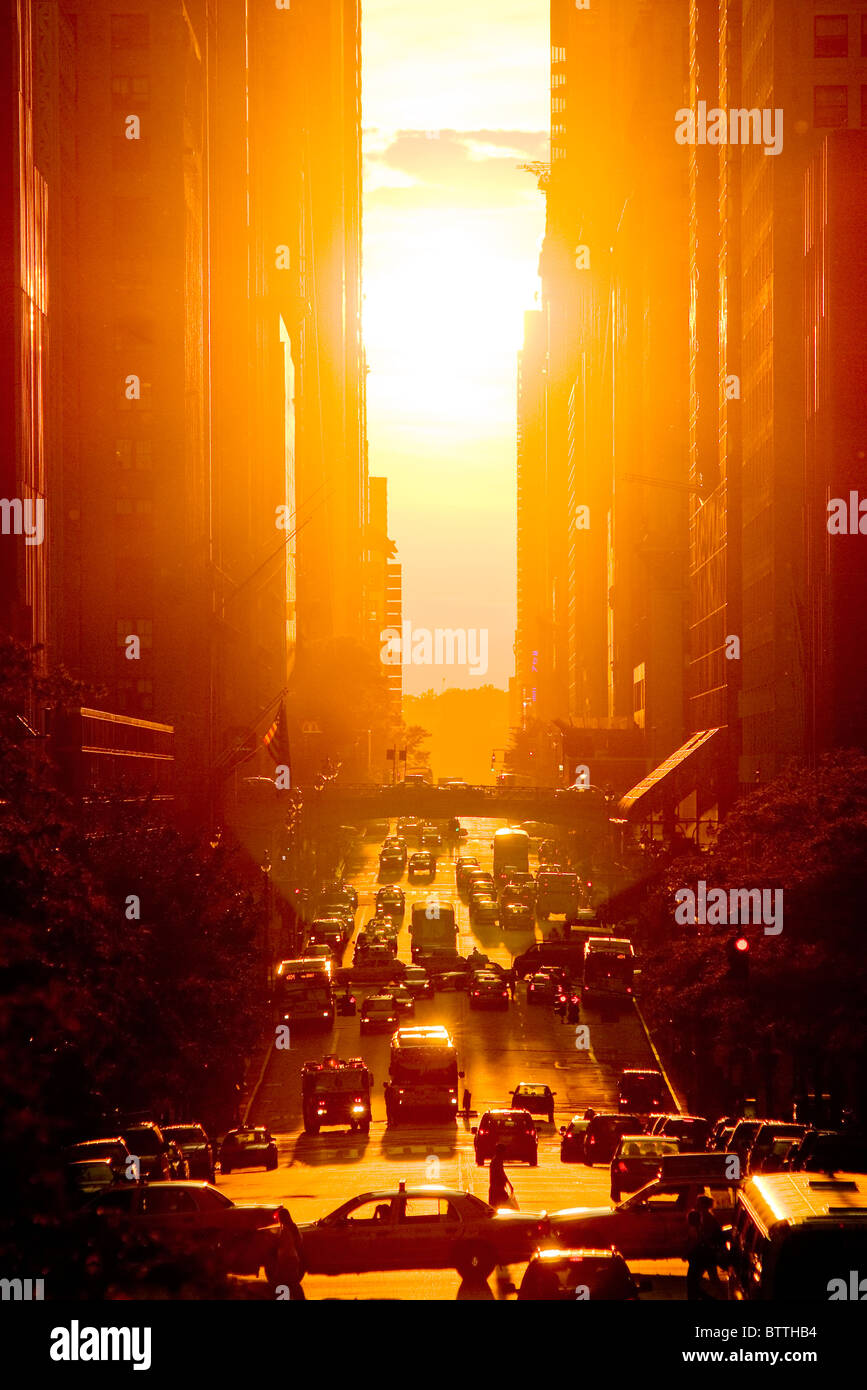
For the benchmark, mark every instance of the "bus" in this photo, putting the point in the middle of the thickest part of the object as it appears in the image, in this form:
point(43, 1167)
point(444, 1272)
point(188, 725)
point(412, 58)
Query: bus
point(303, 992)
point(609, 967)
point(433, 926)
point(511, 851)
point(423, 1073)
point(799, 1237)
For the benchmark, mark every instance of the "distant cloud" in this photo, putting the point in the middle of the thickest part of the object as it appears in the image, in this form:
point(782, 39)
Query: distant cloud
point(468, 168)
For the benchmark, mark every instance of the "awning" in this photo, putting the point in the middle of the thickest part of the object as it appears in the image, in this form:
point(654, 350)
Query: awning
point(672, 781)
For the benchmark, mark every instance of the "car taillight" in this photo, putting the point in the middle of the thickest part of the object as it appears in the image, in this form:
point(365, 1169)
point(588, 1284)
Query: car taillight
point(622, 1167)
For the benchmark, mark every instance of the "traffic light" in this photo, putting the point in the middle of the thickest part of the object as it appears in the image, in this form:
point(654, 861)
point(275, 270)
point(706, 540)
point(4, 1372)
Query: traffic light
point(738, 954)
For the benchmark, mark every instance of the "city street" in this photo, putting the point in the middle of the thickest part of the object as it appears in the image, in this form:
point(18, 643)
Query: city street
point(496, 1050)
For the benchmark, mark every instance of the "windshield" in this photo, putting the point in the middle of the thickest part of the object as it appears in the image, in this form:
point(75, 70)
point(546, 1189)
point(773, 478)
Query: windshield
point(184, 1134)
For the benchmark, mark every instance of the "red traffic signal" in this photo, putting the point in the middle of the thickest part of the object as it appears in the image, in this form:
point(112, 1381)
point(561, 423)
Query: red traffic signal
point(740, 943)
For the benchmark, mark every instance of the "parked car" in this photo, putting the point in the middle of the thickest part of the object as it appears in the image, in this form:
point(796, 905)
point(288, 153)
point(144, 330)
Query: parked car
point(248, 1148)
point(147, 1143)
point(87, 1176)
point(535, 1097)
point(243, 1237)
point(513, 1128)
point(637, 1161)
point(196, 1148)
point(564, 1276)
point(112, 1150)
point(420, 1228)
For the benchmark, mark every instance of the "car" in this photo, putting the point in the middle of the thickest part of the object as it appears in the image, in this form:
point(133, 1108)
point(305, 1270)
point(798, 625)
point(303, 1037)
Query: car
point(86, 1176)
point(391, 864)
point(422, 866)
point(320, 950)
point(642, 1089)
point(603, 1135)
point(148, 1145)
point(254, 1147)
point(516, 916)
point(329, 933)
point(430, 838)
point(338, 915)
point(427, 1227)
point(513, 1128)
point(637, 1161)
point(829, 1151)
point(463, 863)
point(572, 1140)
point(391, 902)
point(112, 1150)
point(768, 1149)
point(196, 1147)
point(535, 1097)
point(650, 1225)
point(418, 982)
point(541, 988)
point(690, 1131)
point(488, 991)
point(567, 1276)
point(568, 955)
point(379, 1014)
point(244, 1237)
point(484, 906)
point(396, 843)
point(404, 1000)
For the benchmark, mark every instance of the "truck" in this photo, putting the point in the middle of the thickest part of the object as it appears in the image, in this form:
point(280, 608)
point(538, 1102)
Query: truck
point(609, 966)
point(558, 894)
point(511, 851)
point(433, 926)
point(423, 1073)
point(303, 992)
point(336, 1092)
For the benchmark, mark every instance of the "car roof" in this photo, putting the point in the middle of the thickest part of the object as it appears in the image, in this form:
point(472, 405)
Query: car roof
point(416, 1190)
point(532, 1086)
point(552, 1256)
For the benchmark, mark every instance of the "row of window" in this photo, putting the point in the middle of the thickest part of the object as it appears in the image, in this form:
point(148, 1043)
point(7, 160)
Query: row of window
point(831, 36)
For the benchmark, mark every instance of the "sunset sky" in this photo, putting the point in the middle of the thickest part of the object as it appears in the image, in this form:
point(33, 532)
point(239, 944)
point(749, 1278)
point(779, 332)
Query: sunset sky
point(455, 97)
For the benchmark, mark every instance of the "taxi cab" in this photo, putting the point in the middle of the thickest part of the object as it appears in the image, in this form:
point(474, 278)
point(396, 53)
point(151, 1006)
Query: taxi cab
point(652, 1225)
point(427, 1227)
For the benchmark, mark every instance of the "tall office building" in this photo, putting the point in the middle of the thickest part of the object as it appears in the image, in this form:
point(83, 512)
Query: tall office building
point(612, 481)
point(183, 190)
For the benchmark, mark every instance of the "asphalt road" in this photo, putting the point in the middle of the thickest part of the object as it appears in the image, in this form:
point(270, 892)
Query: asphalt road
point(496, 1050)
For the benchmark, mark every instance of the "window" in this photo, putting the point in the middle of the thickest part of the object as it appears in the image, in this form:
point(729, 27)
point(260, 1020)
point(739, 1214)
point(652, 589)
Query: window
point(370, 1213)
point(830, 35)
point(830, 106)
point(423, 1209)
point(167, 1201)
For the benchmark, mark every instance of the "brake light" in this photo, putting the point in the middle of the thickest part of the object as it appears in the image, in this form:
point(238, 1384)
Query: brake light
point(622, 1167)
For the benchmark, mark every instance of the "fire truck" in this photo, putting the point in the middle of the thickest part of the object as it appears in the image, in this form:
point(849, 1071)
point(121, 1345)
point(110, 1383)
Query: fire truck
point(336, 1092)
point(423, 1073)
